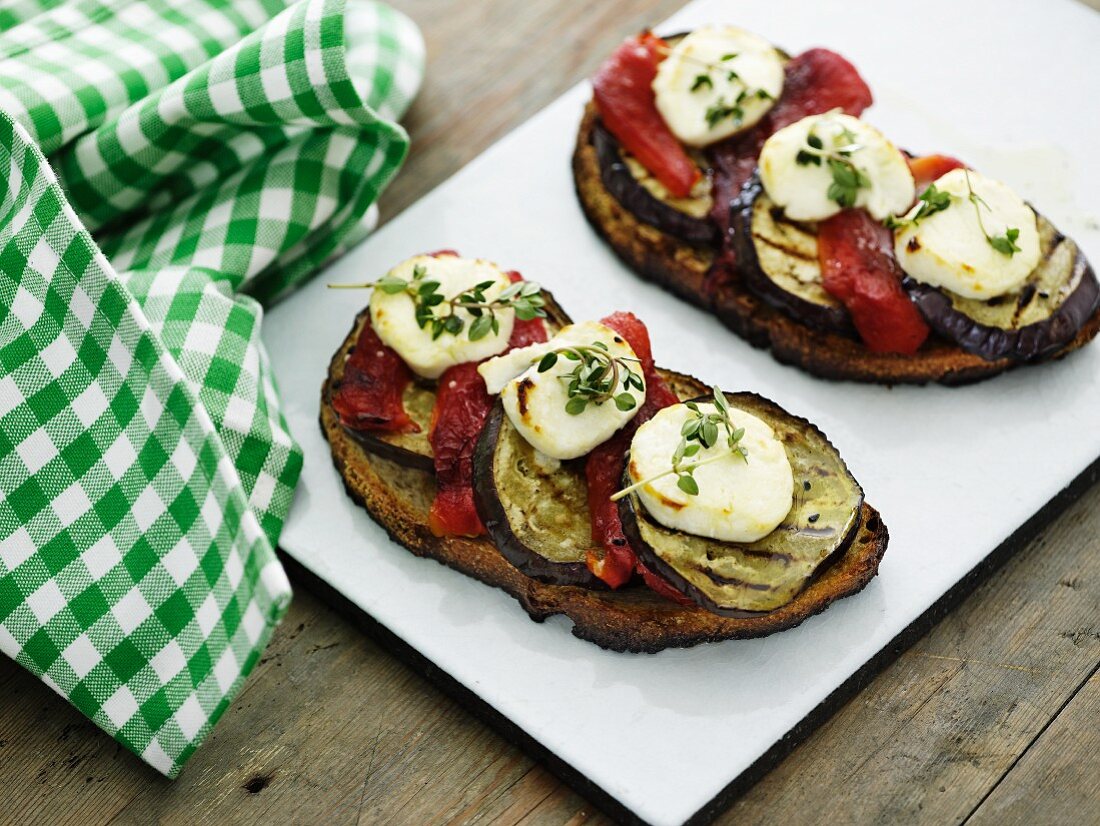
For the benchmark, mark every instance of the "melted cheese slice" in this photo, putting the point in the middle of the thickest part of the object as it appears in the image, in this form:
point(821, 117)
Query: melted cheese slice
point(948, 248)
point(803, 189)
point(535, 402)
point(738, 501)
point(394, 316)
point(735, 65)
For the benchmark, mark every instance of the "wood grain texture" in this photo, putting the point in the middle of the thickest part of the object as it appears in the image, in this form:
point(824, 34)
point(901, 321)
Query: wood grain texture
point(991, 718)
point(1056, 779)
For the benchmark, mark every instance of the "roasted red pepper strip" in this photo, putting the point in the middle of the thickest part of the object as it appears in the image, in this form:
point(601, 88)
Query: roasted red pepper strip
point(858, 267)
point(370, 394)
point(461, 407)
point(815, 82)
point(662, 587)
point(375, 377)
point(615, 561)
point(928, 168)
point(623, 91)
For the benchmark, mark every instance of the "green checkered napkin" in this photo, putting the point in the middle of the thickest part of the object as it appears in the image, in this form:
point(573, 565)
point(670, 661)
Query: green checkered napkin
point(204, 156)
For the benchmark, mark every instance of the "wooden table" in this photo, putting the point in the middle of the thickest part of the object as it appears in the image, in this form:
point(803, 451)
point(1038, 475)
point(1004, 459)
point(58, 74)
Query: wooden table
point(992, 717)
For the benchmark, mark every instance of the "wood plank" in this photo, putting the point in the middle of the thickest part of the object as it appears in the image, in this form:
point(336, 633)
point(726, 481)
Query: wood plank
point(1056, 780)
point(492, 65)
point(331, 728)
point(336, 733)
point(928, 739)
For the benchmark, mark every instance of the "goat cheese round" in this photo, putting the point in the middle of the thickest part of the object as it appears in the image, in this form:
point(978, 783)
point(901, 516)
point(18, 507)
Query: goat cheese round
point(717, 81)
point(393, 315)
point(535, 402)
point(822, 164)
point(739, 500)
point(949, 248)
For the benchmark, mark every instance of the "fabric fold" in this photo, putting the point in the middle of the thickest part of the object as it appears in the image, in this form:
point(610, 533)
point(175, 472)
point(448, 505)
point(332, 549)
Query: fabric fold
point(172, 165)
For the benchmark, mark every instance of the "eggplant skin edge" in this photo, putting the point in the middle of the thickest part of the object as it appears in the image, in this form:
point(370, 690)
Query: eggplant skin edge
point(371, 442)
point(826, 319)
point(620, 183)
point(628, 620)
point(386, 450)
point(493, 516)
point(377, 444)
point(681, 269)
point(1032, 343)
point(628, 516)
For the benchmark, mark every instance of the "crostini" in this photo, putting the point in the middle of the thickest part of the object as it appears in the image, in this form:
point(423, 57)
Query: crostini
point(481, 427)
point(742, 179)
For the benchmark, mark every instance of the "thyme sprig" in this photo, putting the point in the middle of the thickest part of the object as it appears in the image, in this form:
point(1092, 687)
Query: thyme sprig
point(699, 432)
point(933, 200)
point(596, 377)
point(848, 179)
point(724, 107)
point(440, 313)
point(1004, 243)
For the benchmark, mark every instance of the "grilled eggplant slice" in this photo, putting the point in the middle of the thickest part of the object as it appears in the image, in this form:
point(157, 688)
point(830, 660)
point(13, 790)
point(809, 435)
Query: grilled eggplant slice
point(535, 509)
point(632, 185)
point(1059, 296)
point(408, 449)
point(777, 259)
point(630, 619)
point(643, 195)
point(413, 450)
point(731, 579)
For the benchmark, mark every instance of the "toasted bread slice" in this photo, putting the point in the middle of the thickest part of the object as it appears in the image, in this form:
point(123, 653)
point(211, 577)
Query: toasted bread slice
point(630, 619)
point(682, 268)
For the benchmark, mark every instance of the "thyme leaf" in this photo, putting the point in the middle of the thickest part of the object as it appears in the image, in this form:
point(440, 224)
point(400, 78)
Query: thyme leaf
point(1004, 243)
point(848, 179)
point(596, 378)
point(701, 81)
point(932, 200)
point(434, 311)
point(700, 431)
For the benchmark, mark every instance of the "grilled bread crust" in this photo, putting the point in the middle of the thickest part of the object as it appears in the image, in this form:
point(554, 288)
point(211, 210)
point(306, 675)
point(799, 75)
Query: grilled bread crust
point(681, 268)
point(630, 619)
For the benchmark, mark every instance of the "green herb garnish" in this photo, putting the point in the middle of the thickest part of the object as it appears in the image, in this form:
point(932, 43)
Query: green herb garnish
point(848, 179)
point(701, 81)
point(932, 200)
point(1005, 243)
point(438, 312)
point(699, 432)
point(596, 378)
point(722, 109)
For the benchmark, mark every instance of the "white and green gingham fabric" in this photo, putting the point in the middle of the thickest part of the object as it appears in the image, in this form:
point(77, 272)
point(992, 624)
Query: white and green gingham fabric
point(166, 166)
